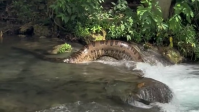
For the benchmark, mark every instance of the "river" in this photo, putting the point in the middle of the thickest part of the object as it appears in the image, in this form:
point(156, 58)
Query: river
point(28, 84)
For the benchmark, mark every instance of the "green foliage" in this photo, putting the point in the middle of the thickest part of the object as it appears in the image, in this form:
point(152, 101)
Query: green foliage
point(184, 32)
point(87, 17)
point(186, 40)
point(22, 9)
point(196, 51)
point(175, 22)
point(178, 26)
point(117, 21)
point(73, 11)
point(122, 29)
point(65, 47)
point(86, 29)
point(82, 31)
point(150, 20)
point(195, 7)
point(27, 11)
point(122, 22)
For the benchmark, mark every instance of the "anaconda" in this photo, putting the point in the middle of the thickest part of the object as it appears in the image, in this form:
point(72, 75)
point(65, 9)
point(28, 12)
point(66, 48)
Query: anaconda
point(119, 50)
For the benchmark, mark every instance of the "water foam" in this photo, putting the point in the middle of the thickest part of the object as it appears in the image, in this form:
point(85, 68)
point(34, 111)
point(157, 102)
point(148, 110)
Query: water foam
point(182, 79)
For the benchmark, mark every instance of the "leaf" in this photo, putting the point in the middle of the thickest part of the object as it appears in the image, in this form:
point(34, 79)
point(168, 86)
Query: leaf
point(122, 27)
point(144, 16)
point(66, 19)
point(73, 17)
point(128, 37)
point(69, 10)
point(113, 3)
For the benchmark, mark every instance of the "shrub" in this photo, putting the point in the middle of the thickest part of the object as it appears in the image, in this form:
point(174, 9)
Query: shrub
point(84, 18)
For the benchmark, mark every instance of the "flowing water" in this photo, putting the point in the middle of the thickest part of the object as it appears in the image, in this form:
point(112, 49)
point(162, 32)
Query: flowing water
point(28, 84)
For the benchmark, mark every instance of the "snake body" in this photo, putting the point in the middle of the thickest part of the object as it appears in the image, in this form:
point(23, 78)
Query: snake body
point(114, 48)
point(119, 50)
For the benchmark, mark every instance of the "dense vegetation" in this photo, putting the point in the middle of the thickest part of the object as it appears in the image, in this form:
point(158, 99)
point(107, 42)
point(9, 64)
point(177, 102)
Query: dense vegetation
point(83, 18)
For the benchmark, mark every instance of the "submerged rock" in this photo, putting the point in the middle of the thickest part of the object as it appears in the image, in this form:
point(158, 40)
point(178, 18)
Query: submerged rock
point(140, 93)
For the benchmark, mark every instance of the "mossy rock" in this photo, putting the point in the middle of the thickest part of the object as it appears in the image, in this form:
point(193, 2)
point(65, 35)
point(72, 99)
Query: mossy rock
point(56, 49)
point(95, 37)
point(171, 54)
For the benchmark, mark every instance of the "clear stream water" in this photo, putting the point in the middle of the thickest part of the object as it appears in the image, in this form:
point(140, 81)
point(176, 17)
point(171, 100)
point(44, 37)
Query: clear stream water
point(28, 84)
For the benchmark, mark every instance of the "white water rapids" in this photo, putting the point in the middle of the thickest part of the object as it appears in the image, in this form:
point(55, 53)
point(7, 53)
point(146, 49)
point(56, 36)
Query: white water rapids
point(182, 79)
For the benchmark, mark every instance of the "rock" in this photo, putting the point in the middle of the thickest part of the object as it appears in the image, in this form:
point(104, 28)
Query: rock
point(138, 73)
point(1, 36)
point(40, 30)
point(42, 37)
point(140, 92)
point(55, 49)
point(26, 29)
point(95, 37)
point(151, 54)
point(171, 54)
point(2, 110)
point(21, 36)
point(107, 58)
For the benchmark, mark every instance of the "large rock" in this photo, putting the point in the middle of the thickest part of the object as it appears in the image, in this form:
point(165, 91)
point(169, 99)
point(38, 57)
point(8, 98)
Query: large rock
point(152, 54)
point(171, 54)
point(140, 92)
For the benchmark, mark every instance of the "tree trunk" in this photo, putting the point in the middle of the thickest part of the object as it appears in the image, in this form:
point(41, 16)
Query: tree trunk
point(165, 7)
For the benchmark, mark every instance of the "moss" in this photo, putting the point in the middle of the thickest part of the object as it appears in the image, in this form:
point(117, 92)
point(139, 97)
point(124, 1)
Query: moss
point(65, 47)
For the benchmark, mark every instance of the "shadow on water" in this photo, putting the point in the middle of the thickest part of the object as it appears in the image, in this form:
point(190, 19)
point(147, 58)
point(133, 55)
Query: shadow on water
point(28, 84)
